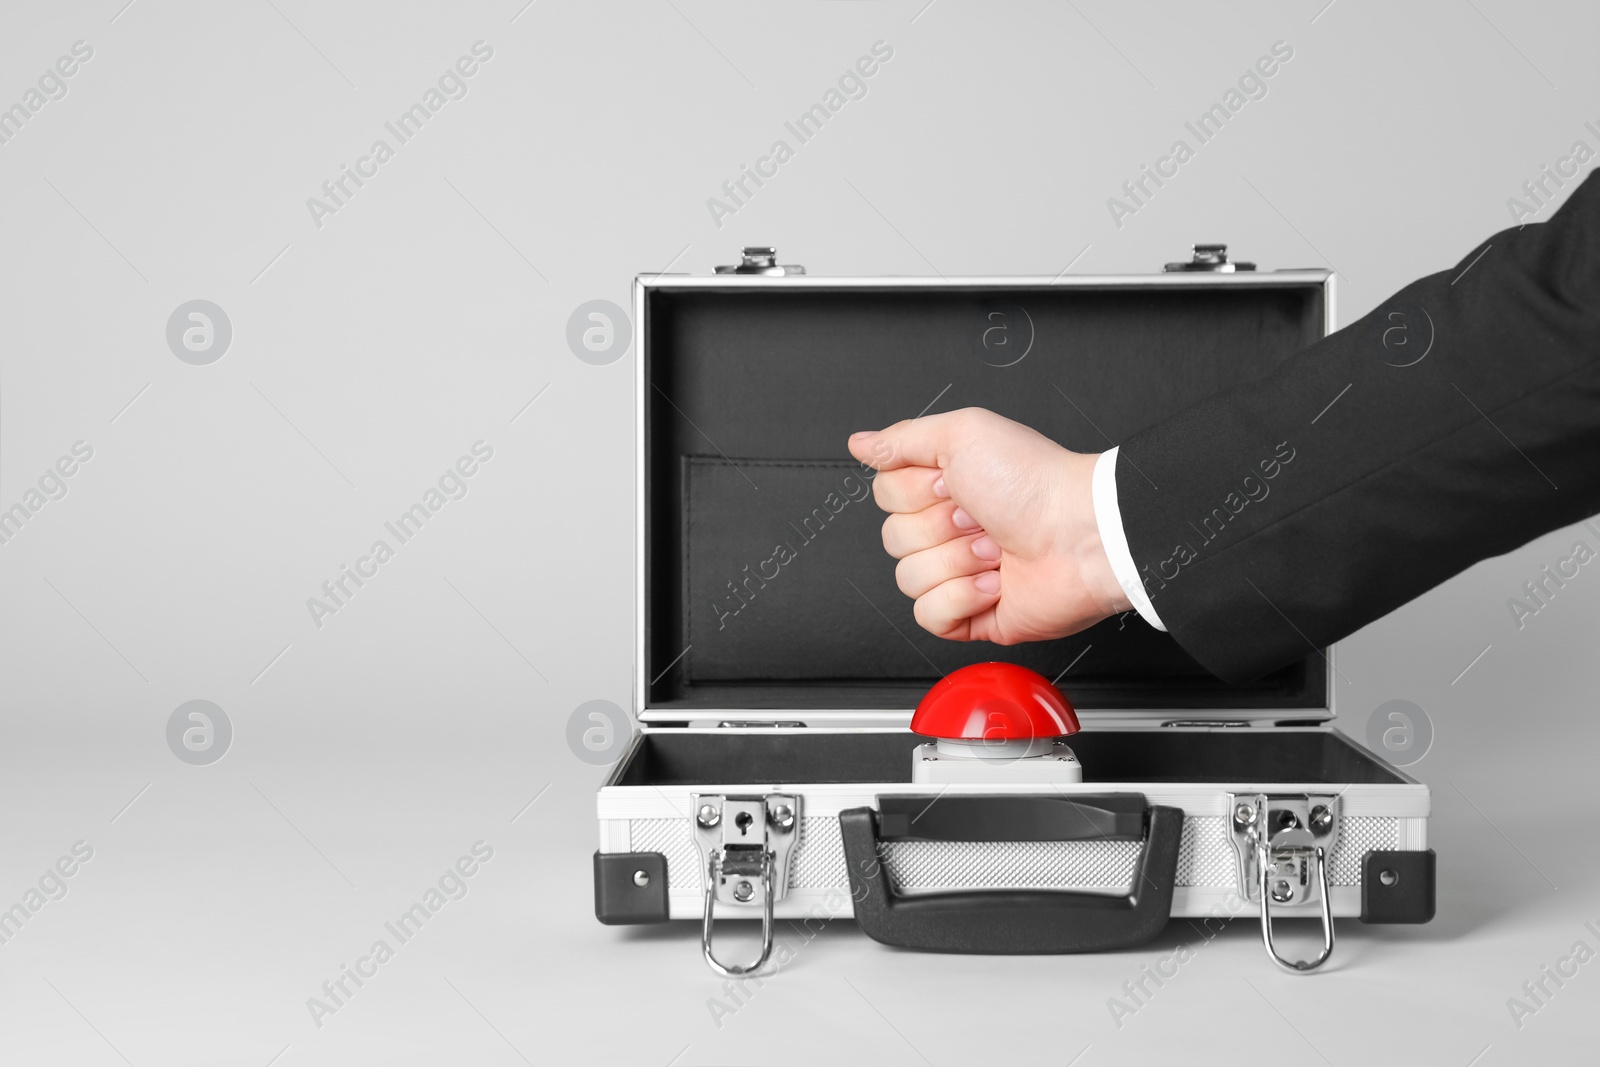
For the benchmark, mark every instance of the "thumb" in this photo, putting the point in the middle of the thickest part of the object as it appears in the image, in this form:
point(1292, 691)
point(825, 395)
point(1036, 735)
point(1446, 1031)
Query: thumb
point(924, 442)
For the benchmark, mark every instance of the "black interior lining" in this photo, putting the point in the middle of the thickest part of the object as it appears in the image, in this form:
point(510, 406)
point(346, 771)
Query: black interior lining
point(1109, 757)
point(750, 395)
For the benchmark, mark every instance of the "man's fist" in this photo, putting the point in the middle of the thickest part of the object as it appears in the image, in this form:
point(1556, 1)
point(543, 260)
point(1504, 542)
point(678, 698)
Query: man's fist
point(993, 525)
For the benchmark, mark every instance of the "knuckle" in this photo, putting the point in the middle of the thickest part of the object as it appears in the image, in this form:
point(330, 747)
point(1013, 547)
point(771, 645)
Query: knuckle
point(880, 491)
point(905, 579)
point(888, 536)
point(937, 609)
point(969, 417)
point(900, 535)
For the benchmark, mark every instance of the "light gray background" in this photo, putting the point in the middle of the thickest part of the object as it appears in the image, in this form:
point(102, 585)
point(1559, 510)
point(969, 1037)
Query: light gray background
point(370, 353)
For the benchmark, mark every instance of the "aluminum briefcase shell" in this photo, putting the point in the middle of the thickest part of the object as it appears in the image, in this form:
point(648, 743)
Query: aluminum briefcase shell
point(777, 664)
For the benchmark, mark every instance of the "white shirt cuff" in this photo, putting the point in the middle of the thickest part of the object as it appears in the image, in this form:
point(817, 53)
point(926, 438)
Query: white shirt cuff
point(1108, 516)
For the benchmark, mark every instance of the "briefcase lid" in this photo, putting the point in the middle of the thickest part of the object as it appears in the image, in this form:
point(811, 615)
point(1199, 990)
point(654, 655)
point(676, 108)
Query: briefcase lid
point(764, 592)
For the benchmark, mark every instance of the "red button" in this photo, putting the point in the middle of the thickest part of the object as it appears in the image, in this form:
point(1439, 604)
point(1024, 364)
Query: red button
point(996, 702)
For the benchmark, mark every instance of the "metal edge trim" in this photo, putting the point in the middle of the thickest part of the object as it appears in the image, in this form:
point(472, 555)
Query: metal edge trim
point(643, 283)
point(641, 358)
point(1176, 280)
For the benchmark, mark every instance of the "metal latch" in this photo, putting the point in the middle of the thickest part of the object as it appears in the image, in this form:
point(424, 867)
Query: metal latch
point(761, 260)
point(1208, 258)
point(1282, 844)
point(745, 844)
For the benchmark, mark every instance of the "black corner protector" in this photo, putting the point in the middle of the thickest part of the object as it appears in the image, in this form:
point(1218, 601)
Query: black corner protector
point(630, 888)
point(1398, 886)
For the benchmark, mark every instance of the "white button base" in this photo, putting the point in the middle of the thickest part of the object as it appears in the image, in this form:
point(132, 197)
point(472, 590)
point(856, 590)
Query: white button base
point(929, 766)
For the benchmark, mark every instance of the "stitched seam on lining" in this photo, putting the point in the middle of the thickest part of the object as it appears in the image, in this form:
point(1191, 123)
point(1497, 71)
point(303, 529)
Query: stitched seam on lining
point(688, 567)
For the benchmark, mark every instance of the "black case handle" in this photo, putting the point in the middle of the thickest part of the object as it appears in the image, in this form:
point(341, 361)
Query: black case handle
point(1016, 921)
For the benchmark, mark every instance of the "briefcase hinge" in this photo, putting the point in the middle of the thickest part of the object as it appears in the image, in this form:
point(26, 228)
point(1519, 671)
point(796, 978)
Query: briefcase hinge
point(1210, 257)
point(761, 259)
point(745, 845)
point(1282, 844)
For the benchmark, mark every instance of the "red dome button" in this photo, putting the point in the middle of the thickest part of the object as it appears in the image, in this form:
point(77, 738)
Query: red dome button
point(994, 702)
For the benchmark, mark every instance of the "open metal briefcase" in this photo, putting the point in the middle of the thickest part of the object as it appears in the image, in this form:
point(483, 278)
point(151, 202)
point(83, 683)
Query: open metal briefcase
point(777, 663)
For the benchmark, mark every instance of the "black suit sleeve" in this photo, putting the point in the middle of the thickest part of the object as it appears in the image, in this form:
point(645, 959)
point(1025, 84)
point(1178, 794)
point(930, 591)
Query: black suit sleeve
point(1457, 421)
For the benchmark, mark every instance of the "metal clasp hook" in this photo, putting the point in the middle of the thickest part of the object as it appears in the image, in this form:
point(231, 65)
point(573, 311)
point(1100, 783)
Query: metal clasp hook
point(713, 876)
point(1282, 843)
point(1263, 866)
point(746, 845)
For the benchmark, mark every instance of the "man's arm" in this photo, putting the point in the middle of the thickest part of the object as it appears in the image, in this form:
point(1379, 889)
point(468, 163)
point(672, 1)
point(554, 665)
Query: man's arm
point(1458, 420)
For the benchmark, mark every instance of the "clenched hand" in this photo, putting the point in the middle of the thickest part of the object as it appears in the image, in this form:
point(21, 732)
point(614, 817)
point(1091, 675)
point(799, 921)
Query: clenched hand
point(993, 525)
